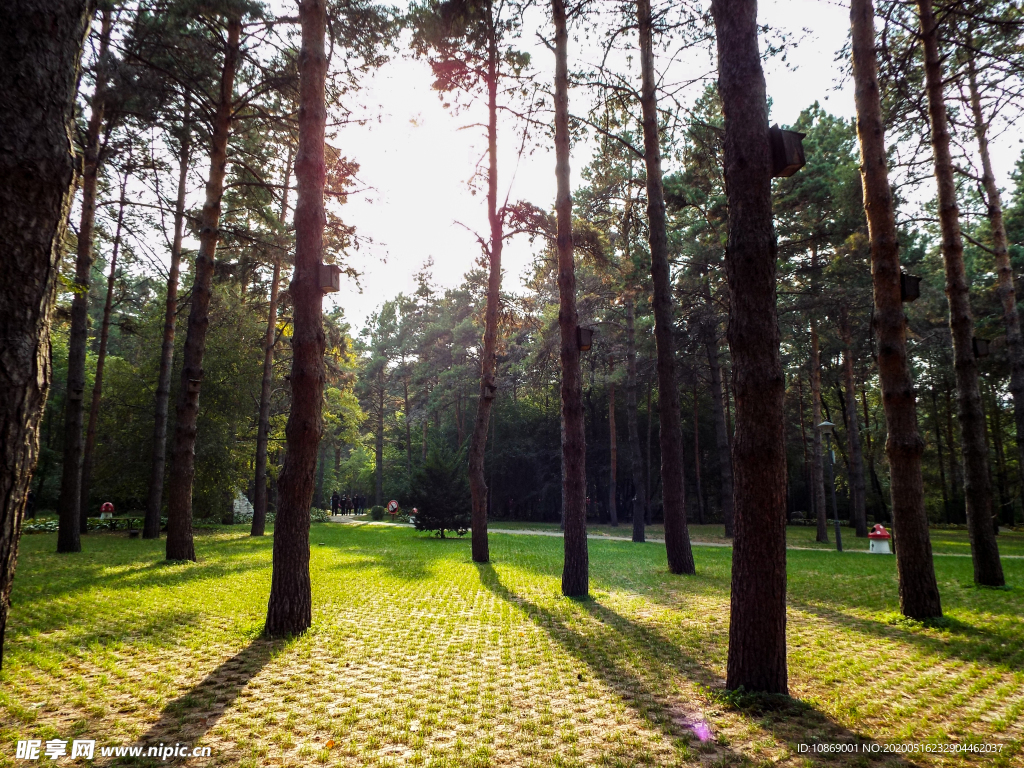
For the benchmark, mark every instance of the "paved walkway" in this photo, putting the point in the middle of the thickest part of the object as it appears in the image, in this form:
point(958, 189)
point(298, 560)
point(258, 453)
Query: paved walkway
point(605, 537)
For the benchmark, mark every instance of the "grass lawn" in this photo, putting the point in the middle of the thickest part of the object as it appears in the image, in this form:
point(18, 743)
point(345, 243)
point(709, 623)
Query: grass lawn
point(419, 657)
point(943, 541)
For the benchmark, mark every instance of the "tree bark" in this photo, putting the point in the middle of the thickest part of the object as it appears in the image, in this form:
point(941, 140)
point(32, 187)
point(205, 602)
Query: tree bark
point(289, 611)
point(1004, 270)
point(97, 389)
point(488, 359)
point(378, 494)
point(613, 513)
point(40, 46)
point(858, 513)
point(718, 413)
point(179, 499)
point(151, 526)
point(673, 489)
point(757, 630)
point(259, 515)
point(259, 507)
point(632, 419)
point(803, 440)
point(997, 444)
point(956, 467)
point(696, 457)
point(947, 510)
point(408, 428)
point(649, 472)
point(871, 458)
point(576, 569)
point(68, 504)
point(988, 569)
point(919, 593)
point(817, 460)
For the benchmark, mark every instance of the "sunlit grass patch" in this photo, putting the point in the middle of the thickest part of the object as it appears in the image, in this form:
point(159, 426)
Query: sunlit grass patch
point(417, 656)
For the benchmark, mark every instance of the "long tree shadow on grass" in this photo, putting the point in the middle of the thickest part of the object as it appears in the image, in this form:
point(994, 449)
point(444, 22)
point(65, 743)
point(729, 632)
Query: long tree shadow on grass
point(639, 664)
point(139, 564)
point(186, 719)
point(947, 638)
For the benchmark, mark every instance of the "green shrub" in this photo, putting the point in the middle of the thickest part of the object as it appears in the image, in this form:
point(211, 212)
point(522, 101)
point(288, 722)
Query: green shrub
point(319, 515)
point(378, 512)
point(441, 487)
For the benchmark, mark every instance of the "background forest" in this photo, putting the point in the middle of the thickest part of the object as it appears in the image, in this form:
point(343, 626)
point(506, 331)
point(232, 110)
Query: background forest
point(407, 381)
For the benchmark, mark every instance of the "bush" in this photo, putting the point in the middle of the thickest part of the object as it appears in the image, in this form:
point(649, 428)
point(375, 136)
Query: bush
point(442, 493)
point(319, 515)
point(377, 512)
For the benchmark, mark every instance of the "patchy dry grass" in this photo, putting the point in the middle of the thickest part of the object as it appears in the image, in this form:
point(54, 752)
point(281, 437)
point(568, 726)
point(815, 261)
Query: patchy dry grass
point(419, 657)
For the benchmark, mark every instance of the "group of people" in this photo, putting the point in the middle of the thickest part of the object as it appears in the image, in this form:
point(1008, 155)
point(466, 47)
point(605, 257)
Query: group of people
point(347, 504)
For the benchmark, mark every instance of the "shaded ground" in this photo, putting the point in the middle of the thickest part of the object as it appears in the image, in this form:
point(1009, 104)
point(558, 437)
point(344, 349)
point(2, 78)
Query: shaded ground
point(419, 657)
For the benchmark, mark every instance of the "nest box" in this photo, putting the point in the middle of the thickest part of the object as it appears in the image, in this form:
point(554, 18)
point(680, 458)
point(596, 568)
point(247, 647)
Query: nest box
point(910, 287)
point(330, 278)
point(787, 151)
point(584, 338)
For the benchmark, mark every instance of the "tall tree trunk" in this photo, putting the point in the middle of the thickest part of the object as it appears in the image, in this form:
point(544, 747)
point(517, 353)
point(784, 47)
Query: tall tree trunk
point(649, 473)
point(40, 46)
point(997, 444)
point(757, 630)
point(68, 511)
point(947, 510)
point(803, 438)
point(613, 456)
point(817, 460)
point(183, 449)
point(151, 526)
point(858, 513)
point(1004, 270)
point(636, 458)
point(696, 457)
point(259, 507)
point(956, 467)
point(97, 388)
point(919, 593)
point(718, 413)
point(408, 429)
point(289, 611)
point(871, 459)
point(576, 569)
point(488, 358)
point(673, 489)
point(729, 393)
point(988, 570)
point(378, 491)
point(259, 516)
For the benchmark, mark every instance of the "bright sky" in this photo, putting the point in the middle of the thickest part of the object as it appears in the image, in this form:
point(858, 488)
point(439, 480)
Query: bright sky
point(419, 162)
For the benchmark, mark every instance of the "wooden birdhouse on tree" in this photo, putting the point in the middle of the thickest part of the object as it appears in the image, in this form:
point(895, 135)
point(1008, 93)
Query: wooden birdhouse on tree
point(330, 278)
point(584, 338)
point(787, 151)
point(910, 287)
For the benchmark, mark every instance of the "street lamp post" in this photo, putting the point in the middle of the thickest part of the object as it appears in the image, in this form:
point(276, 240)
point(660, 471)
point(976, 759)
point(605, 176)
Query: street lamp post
point(826, 429)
